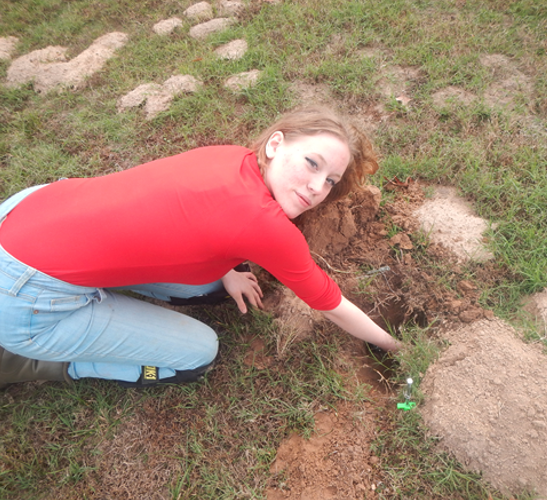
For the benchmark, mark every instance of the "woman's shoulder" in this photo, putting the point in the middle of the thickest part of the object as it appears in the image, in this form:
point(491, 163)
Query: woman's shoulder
point(220, 151)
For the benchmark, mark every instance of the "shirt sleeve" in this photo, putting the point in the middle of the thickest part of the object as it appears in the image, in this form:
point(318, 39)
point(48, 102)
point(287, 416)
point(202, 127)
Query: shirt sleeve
point(282, 250)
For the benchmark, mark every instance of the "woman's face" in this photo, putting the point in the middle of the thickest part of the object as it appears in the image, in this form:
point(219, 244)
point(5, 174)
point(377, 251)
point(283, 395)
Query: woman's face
point(303, 170)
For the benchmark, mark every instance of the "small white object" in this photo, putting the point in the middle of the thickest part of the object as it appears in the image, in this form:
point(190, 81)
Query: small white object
point(407, 393)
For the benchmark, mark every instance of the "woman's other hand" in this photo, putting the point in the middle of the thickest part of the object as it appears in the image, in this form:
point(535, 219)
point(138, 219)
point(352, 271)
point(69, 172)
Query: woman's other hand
point(240, 285)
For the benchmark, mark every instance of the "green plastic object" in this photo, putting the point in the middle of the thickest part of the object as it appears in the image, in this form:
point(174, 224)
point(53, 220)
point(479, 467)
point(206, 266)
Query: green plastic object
point(407, 405)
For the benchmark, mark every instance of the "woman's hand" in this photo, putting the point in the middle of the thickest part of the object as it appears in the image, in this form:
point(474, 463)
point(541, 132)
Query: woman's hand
point(240, 285)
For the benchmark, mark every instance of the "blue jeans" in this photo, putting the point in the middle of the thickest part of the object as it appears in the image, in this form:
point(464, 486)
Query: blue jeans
point(103, 334)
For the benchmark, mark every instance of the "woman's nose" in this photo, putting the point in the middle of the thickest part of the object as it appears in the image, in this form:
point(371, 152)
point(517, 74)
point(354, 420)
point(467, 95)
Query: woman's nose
point(316, 184)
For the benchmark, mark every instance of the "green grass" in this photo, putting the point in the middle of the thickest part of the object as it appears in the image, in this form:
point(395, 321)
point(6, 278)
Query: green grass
point(53, 439)
point(222, 433)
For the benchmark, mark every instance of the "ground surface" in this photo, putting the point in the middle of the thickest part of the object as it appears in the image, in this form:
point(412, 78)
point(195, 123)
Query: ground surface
point(485, 398)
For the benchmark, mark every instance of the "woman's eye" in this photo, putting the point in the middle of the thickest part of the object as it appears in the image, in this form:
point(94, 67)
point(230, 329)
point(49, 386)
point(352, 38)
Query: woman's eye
point(311, 162)
point(331, 182)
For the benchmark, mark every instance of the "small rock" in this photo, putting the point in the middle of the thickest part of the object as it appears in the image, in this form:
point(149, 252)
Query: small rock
point(466, 286)
point(203, 30)
point(167, 26)
point(471, 315)
point(243, 80)
point(402, 240)
point(233, 50)
point(455, 306)
point(201, 10)
point(489, 315)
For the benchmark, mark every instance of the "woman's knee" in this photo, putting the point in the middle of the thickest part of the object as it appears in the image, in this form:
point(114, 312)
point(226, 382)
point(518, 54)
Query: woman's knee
point(210, 345)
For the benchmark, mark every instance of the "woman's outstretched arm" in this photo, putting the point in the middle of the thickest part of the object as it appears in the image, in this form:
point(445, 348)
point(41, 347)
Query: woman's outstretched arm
point(351, 319)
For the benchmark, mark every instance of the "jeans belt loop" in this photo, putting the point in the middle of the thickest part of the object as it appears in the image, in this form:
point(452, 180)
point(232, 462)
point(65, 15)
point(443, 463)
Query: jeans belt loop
point(29, 273)
point(102, 295)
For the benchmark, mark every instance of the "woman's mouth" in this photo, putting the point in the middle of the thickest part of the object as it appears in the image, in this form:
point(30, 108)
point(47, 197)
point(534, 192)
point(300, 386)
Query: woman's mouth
point(304, 200)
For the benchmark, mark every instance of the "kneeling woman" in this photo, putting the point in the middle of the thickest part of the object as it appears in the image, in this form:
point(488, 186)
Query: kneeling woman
point(175, 227)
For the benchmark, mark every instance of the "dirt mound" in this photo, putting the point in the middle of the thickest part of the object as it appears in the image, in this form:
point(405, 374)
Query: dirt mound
point(335, 227)
point(334, 233)
point(486, 400)
point(48, 68)
point(450, 221)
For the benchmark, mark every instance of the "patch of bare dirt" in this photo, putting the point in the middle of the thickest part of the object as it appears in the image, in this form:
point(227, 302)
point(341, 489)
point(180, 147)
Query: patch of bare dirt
point(335, 463)
point(508, 80)
point(452, 94)
point(507, 83)
point(158, 97)
point(398, 80)
point(48, 68)
point(484, 397)
point(449, 220)
point(309, 94)
point(486, 401)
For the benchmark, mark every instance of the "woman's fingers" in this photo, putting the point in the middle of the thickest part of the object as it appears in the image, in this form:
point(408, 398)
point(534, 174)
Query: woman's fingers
point(254, 294)
point(250, 276)
point(241, 286)
point(240, 303)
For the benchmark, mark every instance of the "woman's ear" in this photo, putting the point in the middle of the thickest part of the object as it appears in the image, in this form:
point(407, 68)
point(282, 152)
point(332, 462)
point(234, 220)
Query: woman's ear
point(273, 143)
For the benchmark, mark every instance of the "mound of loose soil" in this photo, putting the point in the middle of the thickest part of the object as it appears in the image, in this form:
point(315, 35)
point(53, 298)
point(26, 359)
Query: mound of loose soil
point(48, 68)
point(486, 401)
point(450, 221)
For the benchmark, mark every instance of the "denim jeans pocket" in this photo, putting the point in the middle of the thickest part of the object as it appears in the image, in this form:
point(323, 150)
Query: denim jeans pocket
point(70, 303)
point(50, 311)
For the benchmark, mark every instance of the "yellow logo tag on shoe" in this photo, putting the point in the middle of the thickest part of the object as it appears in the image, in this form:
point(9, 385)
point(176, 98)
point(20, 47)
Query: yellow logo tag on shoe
point(149, 373)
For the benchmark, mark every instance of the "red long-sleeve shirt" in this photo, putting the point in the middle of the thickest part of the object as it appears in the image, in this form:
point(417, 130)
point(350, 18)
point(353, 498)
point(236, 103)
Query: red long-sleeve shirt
point(189, 218)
